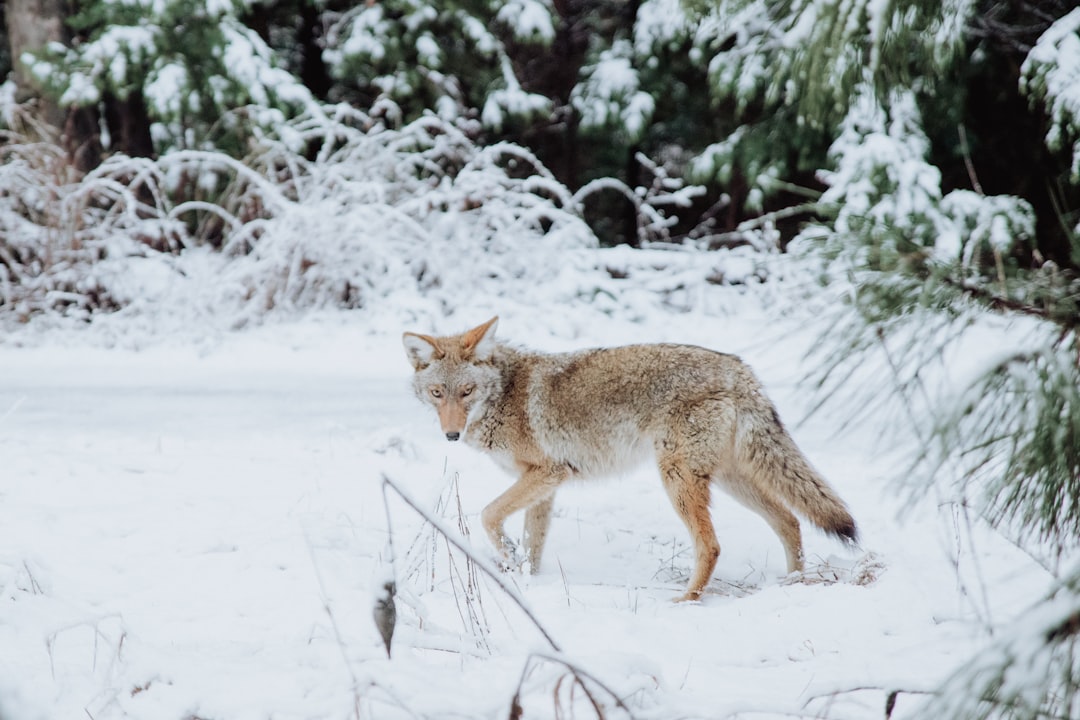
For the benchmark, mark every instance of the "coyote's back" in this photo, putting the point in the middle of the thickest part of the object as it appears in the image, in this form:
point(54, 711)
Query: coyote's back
point(547, 418)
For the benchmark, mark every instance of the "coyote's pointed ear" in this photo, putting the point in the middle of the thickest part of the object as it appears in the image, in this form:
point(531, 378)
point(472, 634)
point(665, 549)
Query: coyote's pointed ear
point(480, 341)
point(421, 349)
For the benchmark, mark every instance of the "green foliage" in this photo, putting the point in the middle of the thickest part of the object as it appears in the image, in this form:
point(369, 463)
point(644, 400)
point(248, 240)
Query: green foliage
point(452, 60)
point(814, 54)
point(789, 71)
point(206, 79)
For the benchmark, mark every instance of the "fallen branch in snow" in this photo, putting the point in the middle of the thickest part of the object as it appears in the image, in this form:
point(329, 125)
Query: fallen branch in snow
point(580, 676)
point(890, 696)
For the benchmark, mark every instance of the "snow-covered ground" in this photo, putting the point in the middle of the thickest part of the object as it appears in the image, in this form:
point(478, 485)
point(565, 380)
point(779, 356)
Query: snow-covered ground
point(197, 529)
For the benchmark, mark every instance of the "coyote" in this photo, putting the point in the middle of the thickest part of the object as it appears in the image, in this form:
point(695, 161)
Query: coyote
point(549, 418)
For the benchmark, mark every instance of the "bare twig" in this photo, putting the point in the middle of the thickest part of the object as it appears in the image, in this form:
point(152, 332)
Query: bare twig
point(338, 637)
point(481, 564)
point(965, 150)
point(580, 675)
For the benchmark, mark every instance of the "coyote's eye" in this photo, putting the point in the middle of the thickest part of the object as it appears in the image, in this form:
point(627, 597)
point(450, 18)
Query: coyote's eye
point(436, 392)
point(467, 390)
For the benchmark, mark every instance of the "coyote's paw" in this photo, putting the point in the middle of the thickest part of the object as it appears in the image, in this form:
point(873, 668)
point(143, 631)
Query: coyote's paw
point(689, 596)
point(509, 557)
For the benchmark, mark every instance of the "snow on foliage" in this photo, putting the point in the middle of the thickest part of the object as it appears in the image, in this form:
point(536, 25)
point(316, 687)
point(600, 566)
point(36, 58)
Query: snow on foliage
point(196, 67)
point(980, 222)
point(742, 72)
point(610, 95)
point(791, 70)
point(10, 110)
point(1051, 76)
point(885, 192)
point(510, 101)
point(365, 36)
point(660, 24)
point(1011, 432)
point(412, 55)
point(882, 184)
point(528, 20)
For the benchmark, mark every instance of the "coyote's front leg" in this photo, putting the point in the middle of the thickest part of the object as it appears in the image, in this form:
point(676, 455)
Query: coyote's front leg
point(533, 490)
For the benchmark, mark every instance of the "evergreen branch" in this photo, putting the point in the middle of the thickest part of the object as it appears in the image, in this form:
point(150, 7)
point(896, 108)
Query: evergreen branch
point(998, 302)
point(806, 208)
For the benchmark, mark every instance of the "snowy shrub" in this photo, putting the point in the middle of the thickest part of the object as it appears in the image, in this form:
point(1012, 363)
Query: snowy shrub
point(653, 219)
point(55, 231)
point(394, 212)
point(418, 217)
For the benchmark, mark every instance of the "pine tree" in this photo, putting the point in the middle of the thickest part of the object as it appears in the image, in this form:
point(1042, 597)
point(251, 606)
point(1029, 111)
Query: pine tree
point(170, 75)
point(926, 263)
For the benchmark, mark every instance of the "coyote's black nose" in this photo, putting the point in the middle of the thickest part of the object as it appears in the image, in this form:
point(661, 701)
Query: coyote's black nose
point(453, 436)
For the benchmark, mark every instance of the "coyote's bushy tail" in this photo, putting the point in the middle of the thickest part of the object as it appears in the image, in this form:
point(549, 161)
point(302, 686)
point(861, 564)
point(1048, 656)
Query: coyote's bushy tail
point(767, 450)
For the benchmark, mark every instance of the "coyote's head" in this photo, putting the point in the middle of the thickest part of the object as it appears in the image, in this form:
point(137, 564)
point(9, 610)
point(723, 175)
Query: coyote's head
point(455, 373)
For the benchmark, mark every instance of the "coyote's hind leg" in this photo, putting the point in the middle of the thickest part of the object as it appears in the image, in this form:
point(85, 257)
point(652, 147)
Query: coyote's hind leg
point(776, 514)
point(537, 522)
point(690, 494)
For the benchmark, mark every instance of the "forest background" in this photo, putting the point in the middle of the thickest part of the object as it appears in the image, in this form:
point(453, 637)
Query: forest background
point(924, 156)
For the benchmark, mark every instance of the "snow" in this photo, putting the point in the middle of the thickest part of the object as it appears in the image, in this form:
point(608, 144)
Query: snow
point(366, 29)
point(197, 528)
point(164, 90)
point(193, 520)
point(528, 20)
point(427, 49)
point(660, 24)
point(1013, 668)
point(511, 100)
point(996, 222)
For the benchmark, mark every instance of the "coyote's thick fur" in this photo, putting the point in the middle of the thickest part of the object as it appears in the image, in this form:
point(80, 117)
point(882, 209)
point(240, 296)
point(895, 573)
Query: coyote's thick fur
point(548, 418)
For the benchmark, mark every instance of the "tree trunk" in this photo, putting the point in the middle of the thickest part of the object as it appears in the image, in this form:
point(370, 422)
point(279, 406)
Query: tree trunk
point(129, 124)
point(32, 25)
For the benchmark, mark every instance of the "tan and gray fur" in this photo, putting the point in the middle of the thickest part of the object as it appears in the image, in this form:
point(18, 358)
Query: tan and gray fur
point(547, 418)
